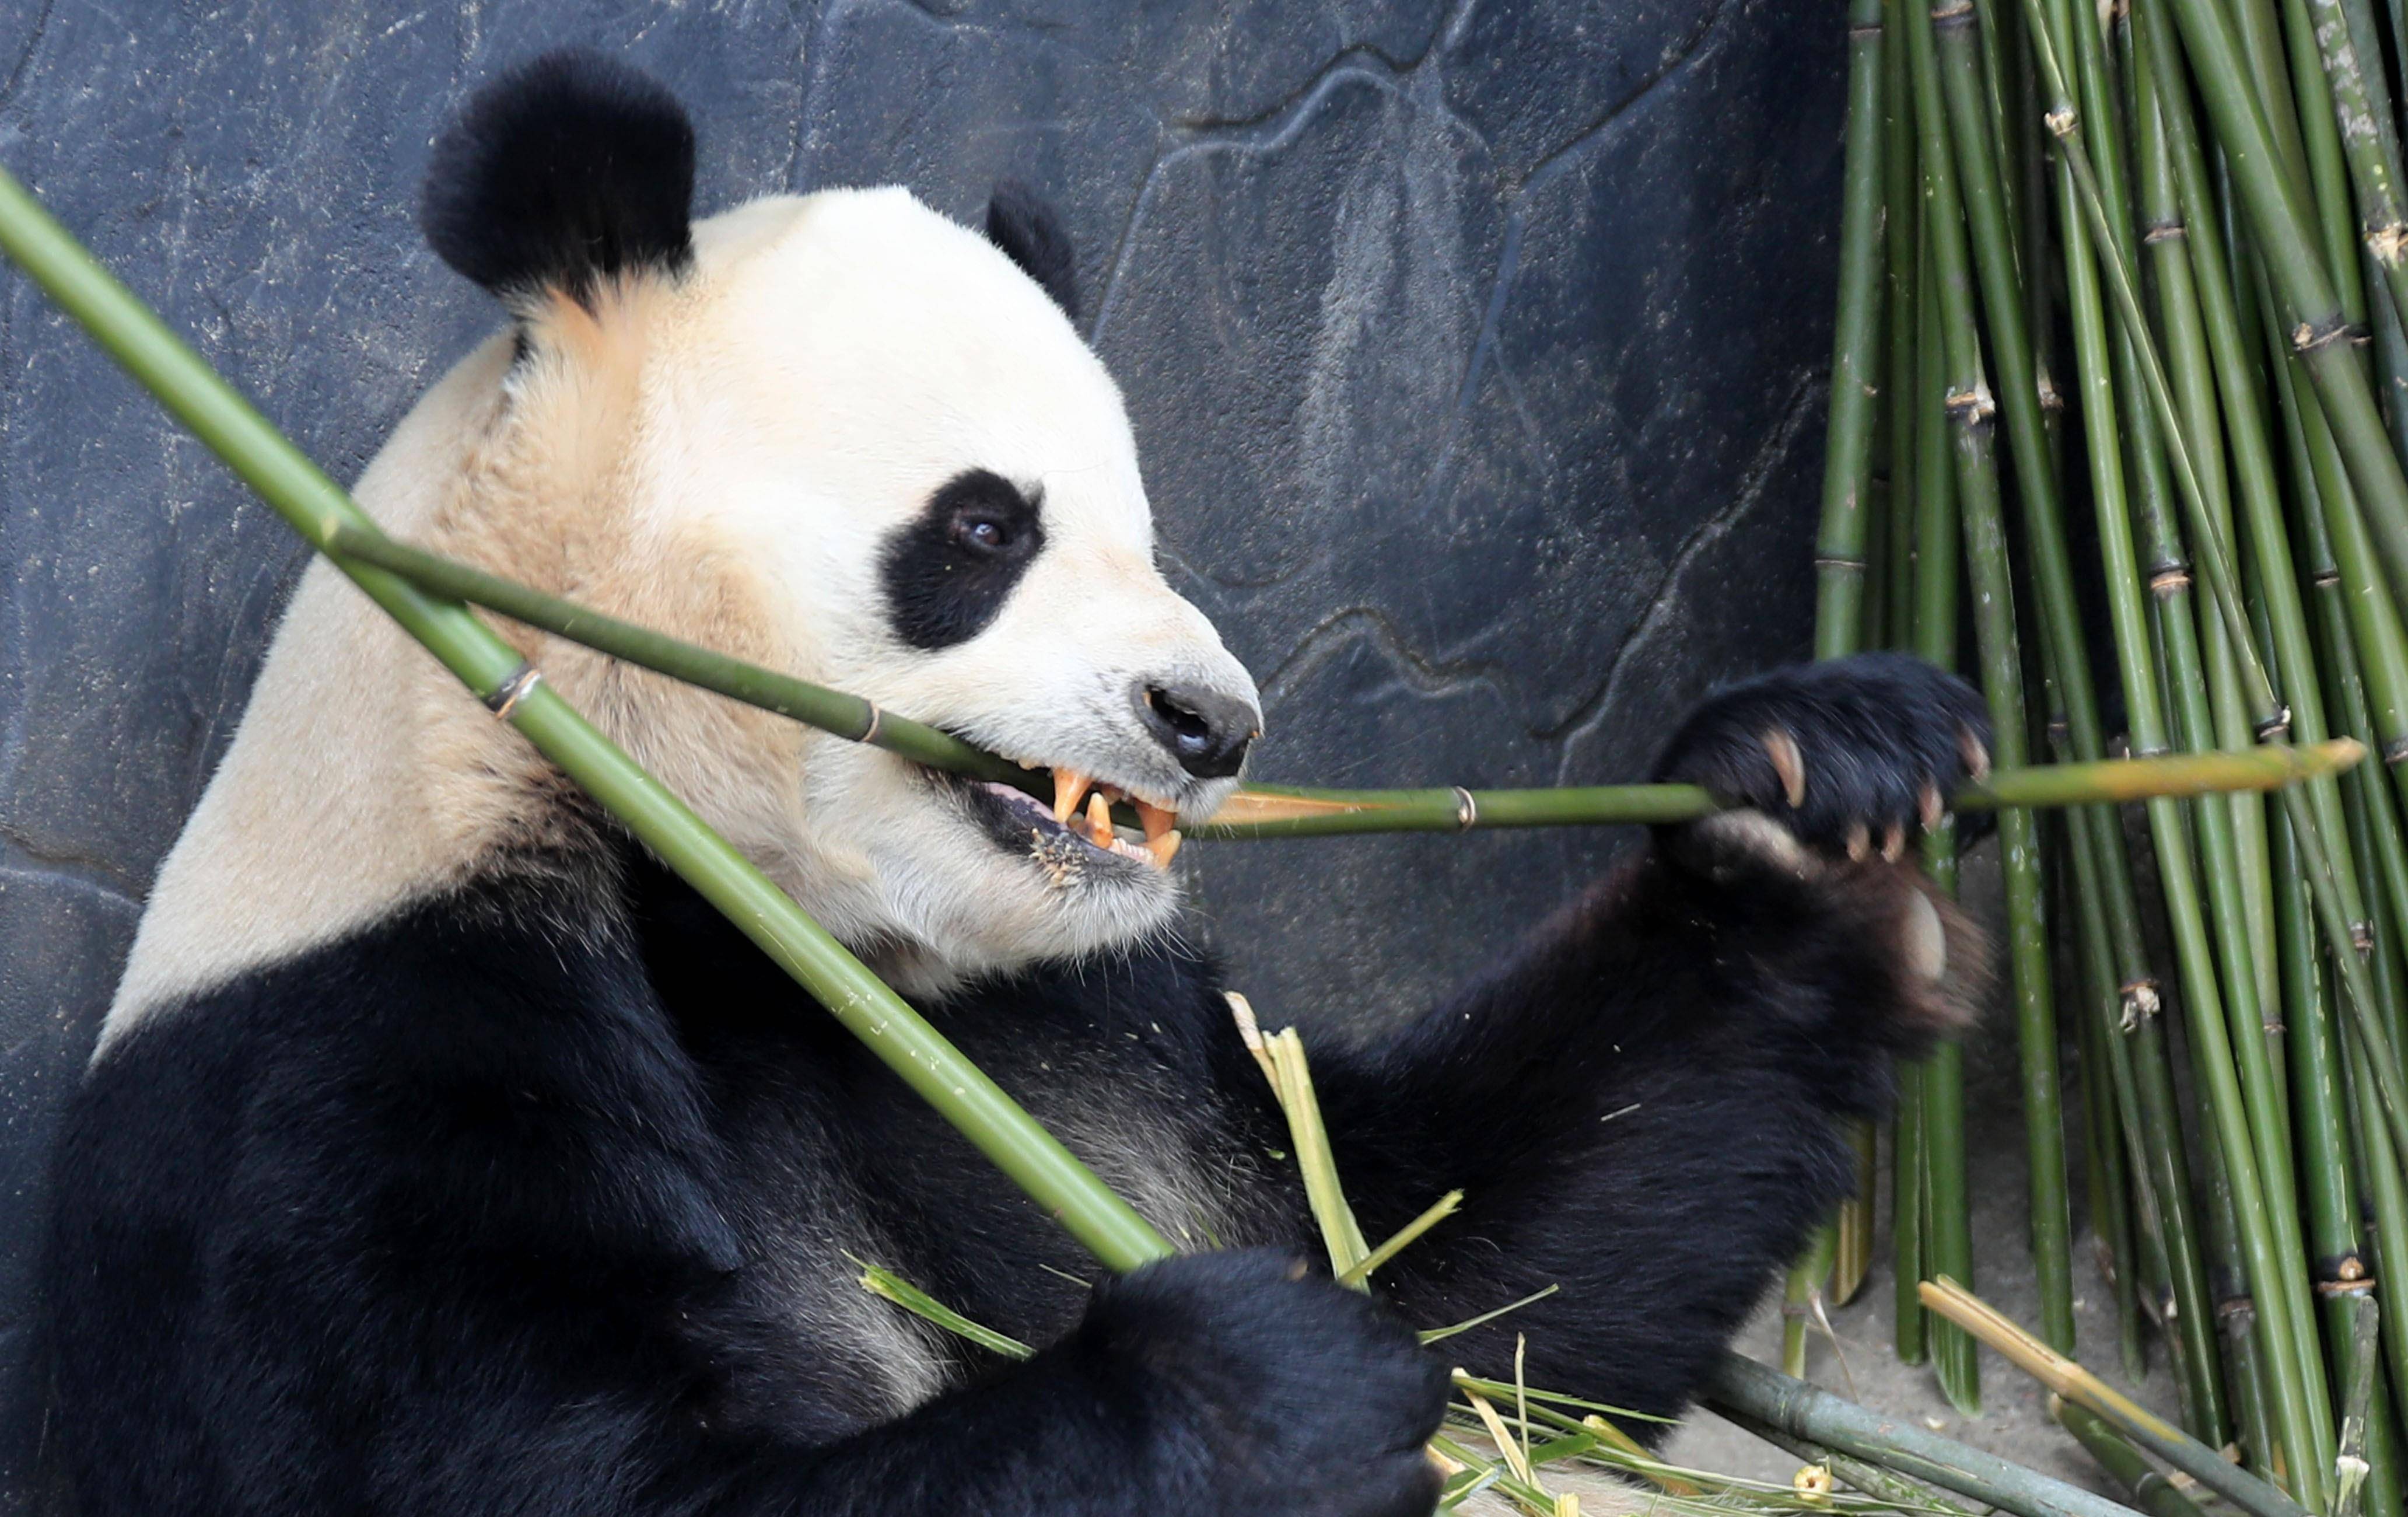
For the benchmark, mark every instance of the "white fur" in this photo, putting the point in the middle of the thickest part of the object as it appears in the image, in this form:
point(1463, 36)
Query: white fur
point(722, 457)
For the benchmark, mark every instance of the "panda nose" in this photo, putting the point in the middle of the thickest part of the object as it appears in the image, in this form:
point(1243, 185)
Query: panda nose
point(1205, 731)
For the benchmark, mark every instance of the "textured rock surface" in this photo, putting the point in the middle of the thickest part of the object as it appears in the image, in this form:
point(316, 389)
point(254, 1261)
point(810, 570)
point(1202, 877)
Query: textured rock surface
point(1472, 350)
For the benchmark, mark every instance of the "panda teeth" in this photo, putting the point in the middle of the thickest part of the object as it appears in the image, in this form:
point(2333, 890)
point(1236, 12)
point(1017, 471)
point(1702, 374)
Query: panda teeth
point(1069, 785)
point(1161, 846)
point(1157, 821)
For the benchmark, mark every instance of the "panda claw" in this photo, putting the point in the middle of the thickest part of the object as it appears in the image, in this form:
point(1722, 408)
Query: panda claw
point(1893, 842)
point(1977, 758)
point(1860, 841)
point(1789, 764)
point(1934, 810)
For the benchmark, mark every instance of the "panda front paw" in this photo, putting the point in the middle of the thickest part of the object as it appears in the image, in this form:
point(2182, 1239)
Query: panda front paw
point(1300, 1395)
point(1847, 757)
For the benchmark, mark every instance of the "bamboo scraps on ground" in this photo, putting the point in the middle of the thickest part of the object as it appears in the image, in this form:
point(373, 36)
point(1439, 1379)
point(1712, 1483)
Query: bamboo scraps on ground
point(2078, 1385)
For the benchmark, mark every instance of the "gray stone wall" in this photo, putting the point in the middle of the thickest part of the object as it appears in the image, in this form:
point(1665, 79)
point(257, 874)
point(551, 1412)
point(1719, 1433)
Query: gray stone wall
point(1473, 350)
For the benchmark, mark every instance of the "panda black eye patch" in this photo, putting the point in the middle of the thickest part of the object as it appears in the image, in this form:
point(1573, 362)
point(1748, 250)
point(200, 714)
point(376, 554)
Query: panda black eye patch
point(949, 569)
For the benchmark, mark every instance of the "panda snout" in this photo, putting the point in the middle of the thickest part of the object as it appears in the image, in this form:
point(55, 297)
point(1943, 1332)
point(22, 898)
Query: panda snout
point(1206, 731)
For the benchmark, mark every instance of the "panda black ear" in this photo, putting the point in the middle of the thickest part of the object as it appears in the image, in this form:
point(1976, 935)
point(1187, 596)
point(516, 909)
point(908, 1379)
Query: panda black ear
point(564, 172)
point(1030, 232)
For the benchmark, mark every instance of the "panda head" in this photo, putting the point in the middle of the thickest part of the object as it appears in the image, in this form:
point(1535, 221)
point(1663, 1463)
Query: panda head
point(849, 439)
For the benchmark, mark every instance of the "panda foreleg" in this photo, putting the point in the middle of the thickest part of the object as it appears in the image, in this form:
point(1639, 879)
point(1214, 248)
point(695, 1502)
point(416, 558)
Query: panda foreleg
point(1643, 1104)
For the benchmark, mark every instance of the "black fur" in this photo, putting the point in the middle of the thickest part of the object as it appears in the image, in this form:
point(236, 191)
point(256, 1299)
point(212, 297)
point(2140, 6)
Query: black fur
point(1030, 231)
point(537, 1197)
point(1873, 764)
point(565, 172)
point(948, 572)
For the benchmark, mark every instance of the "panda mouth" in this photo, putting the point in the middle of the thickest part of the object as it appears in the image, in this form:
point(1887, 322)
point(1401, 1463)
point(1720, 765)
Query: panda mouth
point(1067, 836)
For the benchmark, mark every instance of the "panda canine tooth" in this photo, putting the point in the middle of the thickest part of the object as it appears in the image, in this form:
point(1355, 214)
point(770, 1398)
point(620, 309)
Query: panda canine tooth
point(1068, 785)
point(1161, 846)
point(1099, 819)
point(1157, 821)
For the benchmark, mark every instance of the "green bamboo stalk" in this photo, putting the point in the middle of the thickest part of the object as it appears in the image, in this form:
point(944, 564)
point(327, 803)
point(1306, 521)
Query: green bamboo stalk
point(313, 504)
point(2281, 1288)
point(1894, 1491)
point(1801, 1297)
point(2366, 132)
point(2108, 1183)
point(2096, 853)
point(1840, 555)
point(2377, 1172)
point(1259, 811)
point(2313, 314)
point(2219, 313)
point(2155, 1494)
point(1856, 351)
point(2332, 887)
point(1970, 411)
point(2192, 379)
point(849, 716)
point(2263, 1217)
point(1800, 1410)
point(2236, 1316)
point(2195, 303)
point(1901, 222)
point(1978, 183)
point(2328, 173)
point(2378, 1165)
point(1933, 1221)
point(2195, 960)
point(2320, 1110)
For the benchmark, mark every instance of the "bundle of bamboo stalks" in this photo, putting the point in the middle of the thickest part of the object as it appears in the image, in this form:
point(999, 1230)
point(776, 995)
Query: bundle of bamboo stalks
point(2158, 243)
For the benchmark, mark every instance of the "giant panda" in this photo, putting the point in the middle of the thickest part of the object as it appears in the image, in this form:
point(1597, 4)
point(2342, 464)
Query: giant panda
point(442, 1153)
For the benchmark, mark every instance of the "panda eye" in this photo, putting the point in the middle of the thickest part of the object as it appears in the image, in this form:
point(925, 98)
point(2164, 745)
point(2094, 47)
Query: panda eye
point(983, 533)
point(947, 570)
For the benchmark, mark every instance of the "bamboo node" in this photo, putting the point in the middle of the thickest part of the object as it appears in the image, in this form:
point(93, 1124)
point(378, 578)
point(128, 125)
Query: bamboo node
point(870, 733)
point(2169, 578)
point(2396, 750)
point(2275, 727)
point(2164, 232)
point(2238, 1313)
point(1860, 33)
point(1833, 561)
point(2061, 121)
point(2049, 397)
point(2388, 242)
point(2335, 1290)
point(1467, 810)
point(2141, 1001)
point(2361, 937)
point(1952, 12)
point(512, 690)
point(1974, 403)
point(2309, 336)
point(2059, 729)
point(2325, 579)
